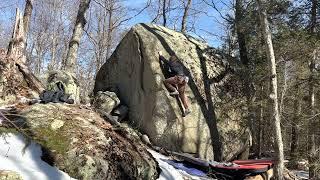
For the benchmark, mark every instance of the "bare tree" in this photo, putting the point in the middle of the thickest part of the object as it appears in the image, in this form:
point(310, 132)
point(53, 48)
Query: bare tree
point(16, 45)
point(54, 43)
point(274, 94)
point(185, 16)
point(16, 53)
point(70, 62)
point(164, 13)
point(27, 16)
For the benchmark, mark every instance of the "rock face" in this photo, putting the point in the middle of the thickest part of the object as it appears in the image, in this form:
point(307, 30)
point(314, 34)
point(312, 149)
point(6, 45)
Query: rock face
point(80, 143)
point(214, 92)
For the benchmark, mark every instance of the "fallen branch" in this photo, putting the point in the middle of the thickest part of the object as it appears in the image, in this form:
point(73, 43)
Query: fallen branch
point(14, 125)
point(31, 80)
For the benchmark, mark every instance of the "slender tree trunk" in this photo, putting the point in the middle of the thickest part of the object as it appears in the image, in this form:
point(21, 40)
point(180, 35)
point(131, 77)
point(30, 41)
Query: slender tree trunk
point(70, 62)
point(164, 13)
point(295, 129)
point(53, 52)
point(38, 66)
point(185, 16)
point(110, 31)
point(274, 94)
point(313, 17)
point(260, 126)
point(312, 155)
point(54, 40)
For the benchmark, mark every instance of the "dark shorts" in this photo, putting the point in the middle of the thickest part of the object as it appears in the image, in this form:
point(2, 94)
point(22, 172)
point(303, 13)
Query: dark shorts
point(179, 80)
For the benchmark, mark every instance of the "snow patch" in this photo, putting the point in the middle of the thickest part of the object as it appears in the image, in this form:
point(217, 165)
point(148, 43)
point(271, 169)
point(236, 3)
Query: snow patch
point(18, 155)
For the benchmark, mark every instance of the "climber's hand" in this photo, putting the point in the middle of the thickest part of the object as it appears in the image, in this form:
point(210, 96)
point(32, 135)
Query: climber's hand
point(160, 53)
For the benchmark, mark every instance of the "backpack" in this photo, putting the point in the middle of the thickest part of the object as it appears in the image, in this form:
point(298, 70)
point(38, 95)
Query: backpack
point(55, 94)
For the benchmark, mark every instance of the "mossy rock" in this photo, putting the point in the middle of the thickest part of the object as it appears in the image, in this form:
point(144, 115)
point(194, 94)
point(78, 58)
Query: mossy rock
point(106, 101)
point(69, 82)
point(79, 142)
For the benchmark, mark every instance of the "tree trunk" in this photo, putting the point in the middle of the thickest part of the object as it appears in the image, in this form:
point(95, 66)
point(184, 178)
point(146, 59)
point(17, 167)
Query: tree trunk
point(164, 13)
point(27, 16)
point(54, 45)
point(185, 15)
point(312, 153)
point(53, 52)
point(295, 129)
point(260, 126)
point(17, 44)
point(239, 18)
point(32, 81)
point(248, 85)
point(70, 62)
point(274, 94)
point(15, 71)
point(110, 31)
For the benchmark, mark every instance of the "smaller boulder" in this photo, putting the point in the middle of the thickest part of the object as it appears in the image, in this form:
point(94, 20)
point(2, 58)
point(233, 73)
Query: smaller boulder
point(69, 82)
point(106, 101)
point(145, 139)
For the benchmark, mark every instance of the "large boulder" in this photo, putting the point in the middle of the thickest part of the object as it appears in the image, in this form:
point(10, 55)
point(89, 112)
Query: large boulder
point(80, 143)
point(214, 92)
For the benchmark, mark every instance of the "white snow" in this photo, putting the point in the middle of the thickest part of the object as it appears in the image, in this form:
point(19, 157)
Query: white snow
point(28, 164)
point(168, 172)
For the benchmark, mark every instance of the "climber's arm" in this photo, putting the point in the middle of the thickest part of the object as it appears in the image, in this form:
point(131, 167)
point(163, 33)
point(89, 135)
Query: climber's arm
point(162, 59)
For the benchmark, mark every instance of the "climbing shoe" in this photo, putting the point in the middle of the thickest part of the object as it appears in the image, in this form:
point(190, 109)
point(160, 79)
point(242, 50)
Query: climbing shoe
point(186, 112)
point(174, 93)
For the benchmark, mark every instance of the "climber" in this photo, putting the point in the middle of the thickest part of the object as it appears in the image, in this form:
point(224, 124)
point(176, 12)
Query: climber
point(177, 81)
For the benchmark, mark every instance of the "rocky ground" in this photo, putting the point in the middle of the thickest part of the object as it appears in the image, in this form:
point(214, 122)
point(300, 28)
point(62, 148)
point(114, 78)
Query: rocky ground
point(79, 142)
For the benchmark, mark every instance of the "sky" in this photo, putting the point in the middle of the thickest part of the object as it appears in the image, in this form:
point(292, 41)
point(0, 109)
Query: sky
point(203, 23)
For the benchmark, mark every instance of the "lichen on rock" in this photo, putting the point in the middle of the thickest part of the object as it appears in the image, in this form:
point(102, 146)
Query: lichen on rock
point(79, 142)
point(69, 82)
point(106, 101)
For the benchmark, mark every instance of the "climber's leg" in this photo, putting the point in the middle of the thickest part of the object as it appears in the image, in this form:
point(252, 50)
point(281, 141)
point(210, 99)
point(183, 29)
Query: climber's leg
point(170, 83)
point(182, 95)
